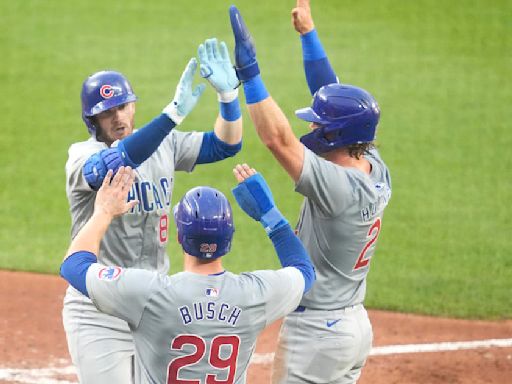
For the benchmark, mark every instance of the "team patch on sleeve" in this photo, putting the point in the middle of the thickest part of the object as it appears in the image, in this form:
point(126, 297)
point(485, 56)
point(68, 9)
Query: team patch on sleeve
point(109, 273)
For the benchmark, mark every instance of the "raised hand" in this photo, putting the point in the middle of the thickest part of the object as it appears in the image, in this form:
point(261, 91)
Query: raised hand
point(185, 98)
point(253, 195)
point(245, 51)
point(301, 17)
point(216, 67)
point(112, 196)
point(243, 172)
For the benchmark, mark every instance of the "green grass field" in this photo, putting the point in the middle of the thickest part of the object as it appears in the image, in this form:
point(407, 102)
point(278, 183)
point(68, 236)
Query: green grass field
point(440, 71)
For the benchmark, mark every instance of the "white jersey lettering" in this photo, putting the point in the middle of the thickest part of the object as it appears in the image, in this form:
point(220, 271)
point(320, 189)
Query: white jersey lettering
point(224, 312)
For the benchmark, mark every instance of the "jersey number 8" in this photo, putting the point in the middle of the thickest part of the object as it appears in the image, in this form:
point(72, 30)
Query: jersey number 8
point(163, 228)
point(214, 358)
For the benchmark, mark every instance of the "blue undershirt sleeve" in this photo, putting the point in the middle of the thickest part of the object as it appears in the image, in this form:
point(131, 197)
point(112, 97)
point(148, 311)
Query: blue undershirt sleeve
point(292, 253)
point(74, 269)
point(317, 68)
point(213, 149)
point(139, 146)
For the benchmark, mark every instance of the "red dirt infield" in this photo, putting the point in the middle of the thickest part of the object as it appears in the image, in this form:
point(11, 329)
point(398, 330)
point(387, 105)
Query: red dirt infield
point(32, 337)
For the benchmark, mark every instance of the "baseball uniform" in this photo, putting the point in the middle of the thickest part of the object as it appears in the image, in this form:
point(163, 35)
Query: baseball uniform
point(100, 345)
point(329, 336)
point(194, 327)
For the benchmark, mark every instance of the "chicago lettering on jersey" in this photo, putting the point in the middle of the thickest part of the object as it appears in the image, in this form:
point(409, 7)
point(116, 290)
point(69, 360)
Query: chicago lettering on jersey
point(210, 311)
point(151, 196)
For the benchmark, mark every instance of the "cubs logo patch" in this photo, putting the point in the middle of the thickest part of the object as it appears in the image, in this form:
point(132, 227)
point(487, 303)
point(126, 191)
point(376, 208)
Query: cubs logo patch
point(212, 292)
point(109, 273)
point(106, 91)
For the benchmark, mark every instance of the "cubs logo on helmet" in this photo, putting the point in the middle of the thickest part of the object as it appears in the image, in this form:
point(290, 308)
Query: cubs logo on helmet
point(102, 91)
point(106, 91)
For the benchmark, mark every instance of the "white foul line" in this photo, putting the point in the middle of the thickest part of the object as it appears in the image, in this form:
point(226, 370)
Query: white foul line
point(440, 347)
point(37, 376)
point(46, 375)
point(267, 358)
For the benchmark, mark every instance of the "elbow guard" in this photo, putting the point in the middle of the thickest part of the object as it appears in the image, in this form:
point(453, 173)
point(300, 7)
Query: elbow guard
point(96, 167)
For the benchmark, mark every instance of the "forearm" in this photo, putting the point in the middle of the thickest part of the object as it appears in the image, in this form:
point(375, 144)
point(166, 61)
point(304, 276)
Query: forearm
point(130, 151)
point(229, 131)
point(276, 134)
point(83, 251)
point(317, 67)
point(270, 122)
point(292, 253)
point(139, 146)
point(89, 237)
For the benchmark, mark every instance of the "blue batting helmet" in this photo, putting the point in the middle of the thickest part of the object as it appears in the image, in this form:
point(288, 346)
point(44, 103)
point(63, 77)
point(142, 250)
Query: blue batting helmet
point(346, 115)
point(205, 223)
point(101, 91)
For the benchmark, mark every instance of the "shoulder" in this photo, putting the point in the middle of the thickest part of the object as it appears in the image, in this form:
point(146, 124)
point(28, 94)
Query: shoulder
point(272, 277)
point(380, 170)
point(85, 148)
point(315, 164)
point(374, 157)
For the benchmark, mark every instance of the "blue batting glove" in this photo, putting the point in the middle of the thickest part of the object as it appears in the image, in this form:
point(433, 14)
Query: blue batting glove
point(185, 98)
point(245, 52)
point(216, 67)
point(254, 196)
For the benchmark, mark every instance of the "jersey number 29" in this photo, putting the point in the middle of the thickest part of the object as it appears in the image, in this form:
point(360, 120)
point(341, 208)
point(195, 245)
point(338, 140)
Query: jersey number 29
point(215, 360)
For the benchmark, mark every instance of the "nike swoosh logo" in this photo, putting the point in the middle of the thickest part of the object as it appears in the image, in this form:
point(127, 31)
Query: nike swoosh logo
point(330, 323)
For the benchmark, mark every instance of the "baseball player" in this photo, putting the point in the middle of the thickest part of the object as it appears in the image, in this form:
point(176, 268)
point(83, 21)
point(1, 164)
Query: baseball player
point(346, 187)
point(200, 325)
point(100, 345)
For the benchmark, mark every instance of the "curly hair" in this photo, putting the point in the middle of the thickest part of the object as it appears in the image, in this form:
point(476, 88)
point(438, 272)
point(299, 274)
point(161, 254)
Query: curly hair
point(359, 149)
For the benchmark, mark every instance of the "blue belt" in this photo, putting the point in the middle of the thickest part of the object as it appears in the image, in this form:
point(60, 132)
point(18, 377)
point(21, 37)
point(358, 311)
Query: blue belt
point(300, 308)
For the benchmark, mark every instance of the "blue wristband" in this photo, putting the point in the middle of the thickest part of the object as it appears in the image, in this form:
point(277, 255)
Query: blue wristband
point(273, 220)
point(230, 111)
point(255, 90)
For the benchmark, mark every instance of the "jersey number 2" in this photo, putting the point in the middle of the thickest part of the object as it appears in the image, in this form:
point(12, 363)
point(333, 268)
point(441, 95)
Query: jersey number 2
point(214, 358)
point(373, 233)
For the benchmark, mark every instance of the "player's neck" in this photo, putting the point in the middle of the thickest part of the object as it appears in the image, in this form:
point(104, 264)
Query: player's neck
point(202, 267)
point(341, 157)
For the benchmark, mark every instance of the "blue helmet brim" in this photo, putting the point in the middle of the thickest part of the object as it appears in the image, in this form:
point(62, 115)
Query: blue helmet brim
point(110, 103)
point(308, 114)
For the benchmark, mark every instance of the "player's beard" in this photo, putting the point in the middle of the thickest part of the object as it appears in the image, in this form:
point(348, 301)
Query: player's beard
point(115, 132)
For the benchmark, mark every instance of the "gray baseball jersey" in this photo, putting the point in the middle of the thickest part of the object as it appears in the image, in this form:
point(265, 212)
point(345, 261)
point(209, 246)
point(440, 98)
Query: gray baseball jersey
point(101, 345)
point(194, 327)
point(340, 221)
point(144, 230)
point(339, 224)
